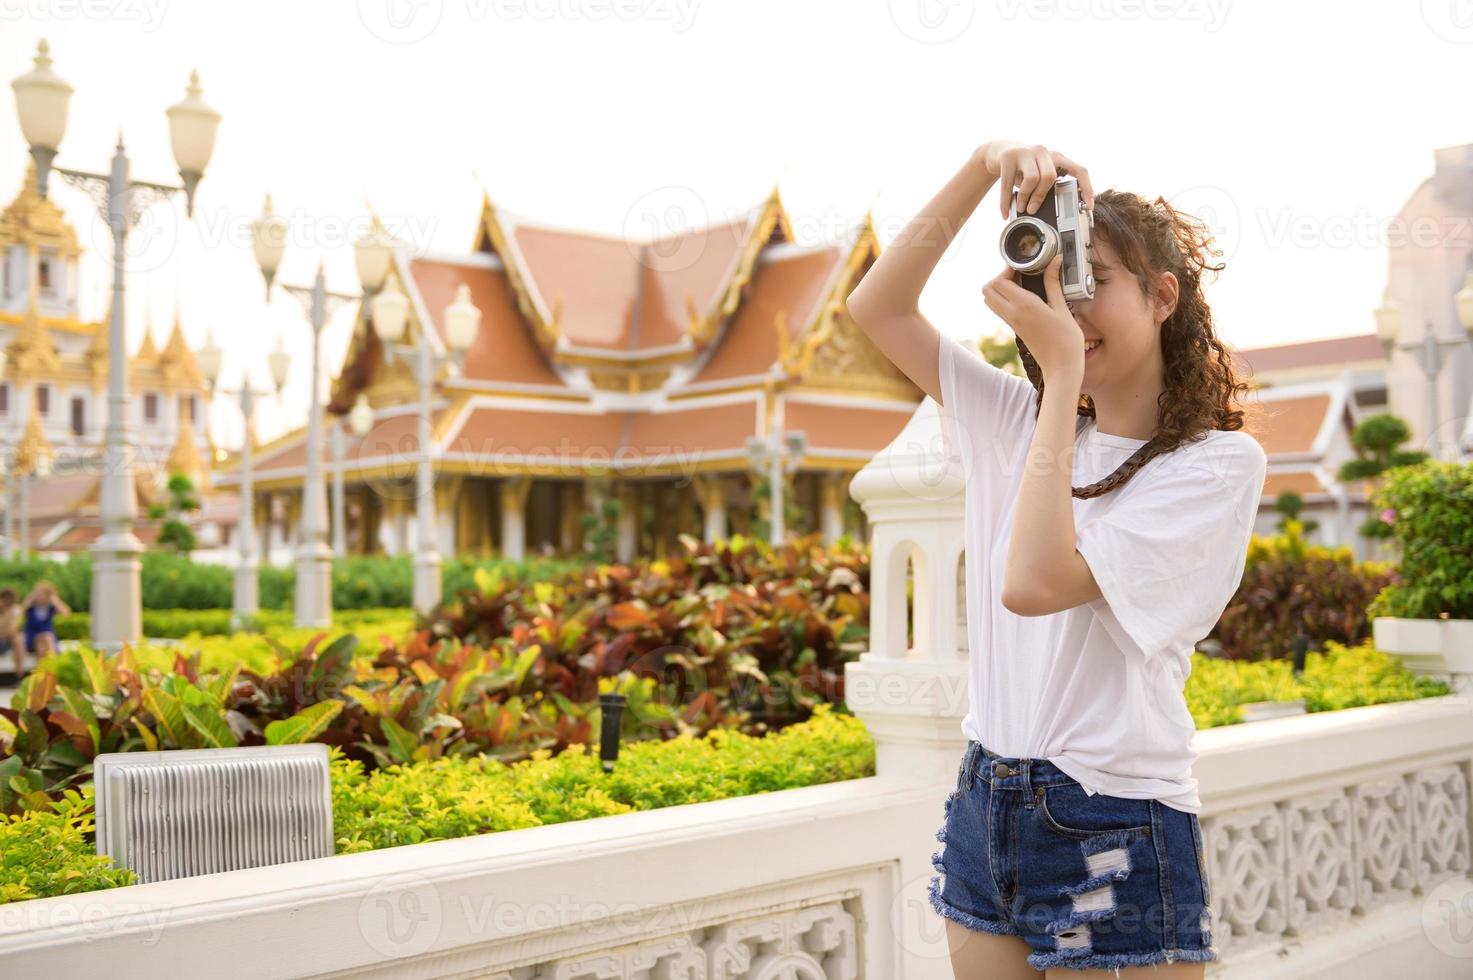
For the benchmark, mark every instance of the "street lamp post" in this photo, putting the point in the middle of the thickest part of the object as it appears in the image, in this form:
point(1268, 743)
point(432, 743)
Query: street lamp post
point(7, 466)
point(390, 310)
point(1388, 329)
point(360, 419)
point(7, 469)
point(245, 600)
point(41, 99)
point(339, 533)
point(779, 453)
point(312, 605)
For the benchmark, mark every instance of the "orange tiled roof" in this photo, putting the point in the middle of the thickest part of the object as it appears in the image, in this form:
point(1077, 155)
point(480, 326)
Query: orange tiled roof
point(1334, 352)
point(1286, 425)
point(503, 349)
point(791, 286)
point(1301, 483)
point(563, 312)
point(626, 295)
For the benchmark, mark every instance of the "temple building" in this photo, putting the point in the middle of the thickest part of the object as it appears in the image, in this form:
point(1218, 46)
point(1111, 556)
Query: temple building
point(608, 369)
point(53, 395)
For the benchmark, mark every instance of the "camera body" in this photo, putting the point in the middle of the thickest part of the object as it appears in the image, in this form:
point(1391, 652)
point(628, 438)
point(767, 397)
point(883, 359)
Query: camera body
point(1061, 225)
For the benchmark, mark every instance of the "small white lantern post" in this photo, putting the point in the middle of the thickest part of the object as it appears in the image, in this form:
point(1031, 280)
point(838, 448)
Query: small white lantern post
point(41, 99)
point(912, 696)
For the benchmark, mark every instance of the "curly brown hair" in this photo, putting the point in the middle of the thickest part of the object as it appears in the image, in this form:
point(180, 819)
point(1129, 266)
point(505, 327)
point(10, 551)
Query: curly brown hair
point(1199, 385)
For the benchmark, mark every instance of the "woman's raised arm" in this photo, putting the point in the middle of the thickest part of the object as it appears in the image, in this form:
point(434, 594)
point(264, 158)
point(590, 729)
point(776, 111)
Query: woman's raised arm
point(885, 303)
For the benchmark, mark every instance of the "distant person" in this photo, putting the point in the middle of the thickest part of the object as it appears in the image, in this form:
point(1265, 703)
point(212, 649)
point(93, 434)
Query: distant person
point(41, 609)
point(10, 634)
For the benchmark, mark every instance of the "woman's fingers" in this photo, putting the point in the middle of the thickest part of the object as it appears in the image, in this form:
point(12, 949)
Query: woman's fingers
point(1027, 180)
point(1007, 173)
point(1086, 189)
point(1047, 174)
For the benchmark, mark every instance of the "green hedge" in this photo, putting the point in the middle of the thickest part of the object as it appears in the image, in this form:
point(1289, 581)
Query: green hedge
point(178, 624)
point(1340, 677)
point(458, 796)
point(172, 581)
point(50, 852)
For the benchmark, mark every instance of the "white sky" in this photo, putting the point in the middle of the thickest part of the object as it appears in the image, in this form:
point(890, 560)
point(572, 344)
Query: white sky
point(1297, 129)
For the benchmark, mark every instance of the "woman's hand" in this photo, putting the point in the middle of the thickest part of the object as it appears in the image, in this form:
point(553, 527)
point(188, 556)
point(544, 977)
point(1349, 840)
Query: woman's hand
point(1032, 169)
point(1049, 330)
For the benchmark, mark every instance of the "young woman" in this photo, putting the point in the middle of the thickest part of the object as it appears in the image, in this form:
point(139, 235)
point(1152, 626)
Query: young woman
point(41, 608)
point(1109, 504)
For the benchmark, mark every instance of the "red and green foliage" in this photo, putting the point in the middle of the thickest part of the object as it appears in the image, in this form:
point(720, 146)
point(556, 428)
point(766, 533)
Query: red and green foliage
point(1290, 586)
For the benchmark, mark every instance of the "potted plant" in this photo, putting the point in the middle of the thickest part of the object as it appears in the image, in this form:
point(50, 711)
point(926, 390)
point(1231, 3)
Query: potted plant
point(1425, 616)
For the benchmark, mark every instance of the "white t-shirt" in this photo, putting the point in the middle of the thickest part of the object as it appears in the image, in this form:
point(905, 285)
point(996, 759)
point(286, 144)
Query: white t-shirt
point(1096, 689)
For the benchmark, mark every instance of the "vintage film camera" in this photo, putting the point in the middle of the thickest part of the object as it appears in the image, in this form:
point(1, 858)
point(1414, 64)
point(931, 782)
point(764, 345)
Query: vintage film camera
point(1062, 224)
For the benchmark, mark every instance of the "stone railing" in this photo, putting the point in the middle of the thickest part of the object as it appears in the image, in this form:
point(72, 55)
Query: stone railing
point(1338, 844)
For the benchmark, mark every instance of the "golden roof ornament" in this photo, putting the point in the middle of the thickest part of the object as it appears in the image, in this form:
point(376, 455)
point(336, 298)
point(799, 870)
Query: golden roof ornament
point(32, 353)
point(177, 360)
point(33, 444)
point(95, 356)
point(31, 219)
point(185, 458)
point(147, 352)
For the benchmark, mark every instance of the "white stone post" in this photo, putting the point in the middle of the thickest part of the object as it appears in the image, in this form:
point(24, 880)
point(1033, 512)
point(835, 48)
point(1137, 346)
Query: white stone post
point(913, 699)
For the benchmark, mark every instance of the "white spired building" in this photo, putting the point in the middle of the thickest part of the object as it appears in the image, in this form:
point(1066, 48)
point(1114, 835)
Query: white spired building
point(1414, 360)
point(53, 397)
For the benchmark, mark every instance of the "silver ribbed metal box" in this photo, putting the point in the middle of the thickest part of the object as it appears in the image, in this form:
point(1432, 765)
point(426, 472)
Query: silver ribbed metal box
point(198, 811)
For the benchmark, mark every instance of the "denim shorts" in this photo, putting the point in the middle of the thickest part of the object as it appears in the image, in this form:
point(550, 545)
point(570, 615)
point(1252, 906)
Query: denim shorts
point(1088, 881)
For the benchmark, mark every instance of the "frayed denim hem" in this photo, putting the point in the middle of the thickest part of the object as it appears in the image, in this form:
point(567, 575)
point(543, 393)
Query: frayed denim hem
point(1085, 960)
point(948, 911)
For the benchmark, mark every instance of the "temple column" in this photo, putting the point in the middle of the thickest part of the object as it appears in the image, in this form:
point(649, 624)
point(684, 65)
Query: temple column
point(833, 490)
point(711, 493)
point(514, 491)
point(685, 510)
point(447, 514)
point(628, 526)
point(570, 509)
point(291, 520)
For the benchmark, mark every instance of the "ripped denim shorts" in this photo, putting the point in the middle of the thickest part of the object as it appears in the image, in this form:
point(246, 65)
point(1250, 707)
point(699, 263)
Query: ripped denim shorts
point(1088, 881)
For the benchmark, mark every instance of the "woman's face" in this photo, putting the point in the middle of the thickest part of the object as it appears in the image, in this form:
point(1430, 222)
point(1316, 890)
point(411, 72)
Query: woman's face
point(1123, 318)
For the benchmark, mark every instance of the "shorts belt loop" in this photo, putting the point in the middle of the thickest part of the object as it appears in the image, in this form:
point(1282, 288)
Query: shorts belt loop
point(972, 764)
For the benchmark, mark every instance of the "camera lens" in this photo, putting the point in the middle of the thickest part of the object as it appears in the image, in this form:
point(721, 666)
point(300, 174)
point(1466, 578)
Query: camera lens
point(1024, 244)
point(1028, 244)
